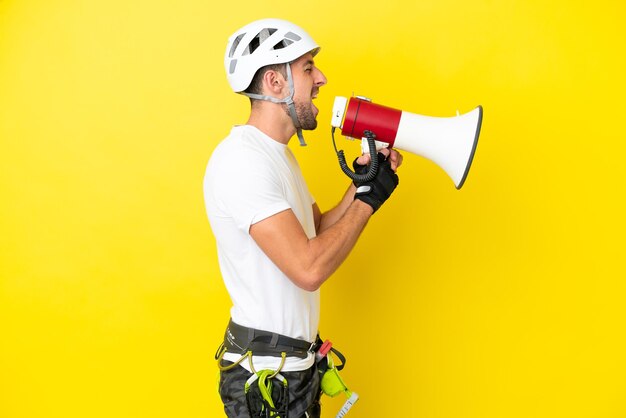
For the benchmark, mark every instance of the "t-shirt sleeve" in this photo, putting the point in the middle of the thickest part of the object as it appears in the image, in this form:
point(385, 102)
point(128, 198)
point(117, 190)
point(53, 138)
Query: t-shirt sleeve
point(250, 191)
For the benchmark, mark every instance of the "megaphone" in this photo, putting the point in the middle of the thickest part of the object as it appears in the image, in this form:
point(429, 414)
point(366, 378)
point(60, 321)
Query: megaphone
point(450, 142)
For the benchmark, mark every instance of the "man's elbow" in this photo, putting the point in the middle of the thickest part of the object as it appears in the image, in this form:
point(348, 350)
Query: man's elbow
point(309, 281)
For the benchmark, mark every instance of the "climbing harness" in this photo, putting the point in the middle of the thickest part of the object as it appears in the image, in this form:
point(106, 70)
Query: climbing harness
point(266, 391)
point(263, 397)
point(239, 339)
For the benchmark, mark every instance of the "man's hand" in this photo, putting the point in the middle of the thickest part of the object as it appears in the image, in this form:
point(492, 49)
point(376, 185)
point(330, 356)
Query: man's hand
point(376, 191)
point(391, 154)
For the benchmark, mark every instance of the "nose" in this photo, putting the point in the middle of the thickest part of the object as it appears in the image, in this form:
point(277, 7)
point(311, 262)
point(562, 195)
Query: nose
point(320, 78)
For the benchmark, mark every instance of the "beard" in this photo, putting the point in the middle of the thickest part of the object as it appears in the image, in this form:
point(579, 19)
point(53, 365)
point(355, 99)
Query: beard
point(306, 118)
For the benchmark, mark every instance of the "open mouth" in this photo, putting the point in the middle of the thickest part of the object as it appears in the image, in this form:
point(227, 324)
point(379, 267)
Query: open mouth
point(314, 93)
point(313, 97)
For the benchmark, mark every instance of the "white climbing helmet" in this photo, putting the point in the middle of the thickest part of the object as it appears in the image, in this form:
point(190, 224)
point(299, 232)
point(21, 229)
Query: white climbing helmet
point(260, 43)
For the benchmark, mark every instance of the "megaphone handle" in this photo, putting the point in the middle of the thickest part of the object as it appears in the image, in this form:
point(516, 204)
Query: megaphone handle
point(373, 169)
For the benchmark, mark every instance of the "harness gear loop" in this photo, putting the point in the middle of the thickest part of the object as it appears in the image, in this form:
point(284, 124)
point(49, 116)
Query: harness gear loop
point(280, 367)
point(220, 356)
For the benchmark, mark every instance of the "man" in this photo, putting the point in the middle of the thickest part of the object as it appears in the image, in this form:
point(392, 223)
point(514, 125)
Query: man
point(275, 246)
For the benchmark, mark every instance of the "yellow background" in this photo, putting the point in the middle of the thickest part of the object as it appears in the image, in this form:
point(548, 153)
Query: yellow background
point(504, 299)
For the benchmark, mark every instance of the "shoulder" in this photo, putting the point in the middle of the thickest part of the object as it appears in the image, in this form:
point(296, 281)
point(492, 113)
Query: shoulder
point(245, 145)
point(244, 160)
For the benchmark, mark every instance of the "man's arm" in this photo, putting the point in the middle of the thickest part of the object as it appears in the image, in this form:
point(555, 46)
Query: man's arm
point(328, 218)
point(309, 262)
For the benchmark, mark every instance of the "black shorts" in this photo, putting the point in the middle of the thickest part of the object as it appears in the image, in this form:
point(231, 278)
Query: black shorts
point(304, 392)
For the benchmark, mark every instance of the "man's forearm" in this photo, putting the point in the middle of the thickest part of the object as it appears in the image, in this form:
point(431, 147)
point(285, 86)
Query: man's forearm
point(308, 262)
point(331, 247)
point(330, 217)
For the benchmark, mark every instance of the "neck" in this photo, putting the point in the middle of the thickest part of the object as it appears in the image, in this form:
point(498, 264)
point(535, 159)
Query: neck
point(272, 120)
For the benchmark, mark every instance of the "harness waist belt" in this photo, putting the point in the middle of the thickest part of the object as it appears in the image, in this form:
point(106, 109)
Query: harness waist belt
point(239, 339)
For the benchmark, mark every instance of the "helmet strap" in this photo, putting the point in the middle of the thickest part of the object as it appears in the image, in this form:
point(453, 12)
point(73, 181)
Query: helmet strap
point(287, 100)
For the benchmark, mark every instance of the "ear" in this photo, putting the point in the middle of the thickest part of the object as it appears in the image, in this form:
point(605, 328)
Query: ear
point(274, 82)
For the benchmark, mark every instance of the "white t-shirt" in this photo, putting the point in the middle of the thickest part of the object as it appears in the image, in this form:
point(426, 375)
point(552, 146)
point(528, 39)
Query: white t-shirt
point(249, 178)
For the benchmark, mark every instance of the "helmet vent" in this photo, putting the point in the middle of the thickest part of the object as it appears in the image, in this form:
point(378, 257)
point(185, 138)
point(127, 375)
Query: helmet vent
point(233, 65)
point(235, 44)
point(282, 44)
point(293, 36)
point(258, 40)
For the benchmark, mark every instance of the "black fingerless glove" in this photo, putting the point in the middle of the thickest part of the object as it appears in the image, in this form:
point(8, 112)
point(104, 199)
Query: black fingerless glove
point(359, 169)
point(376, 191)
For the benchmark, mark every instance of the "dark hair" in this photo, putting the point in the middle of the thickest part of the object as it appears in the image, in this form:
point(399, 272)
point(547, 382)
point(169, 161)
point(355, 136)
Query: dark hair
point(256, 85)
